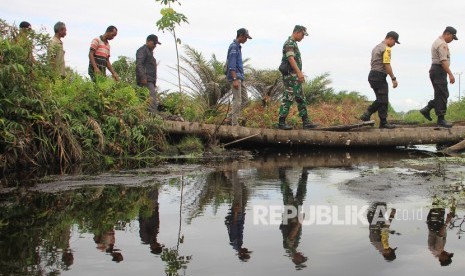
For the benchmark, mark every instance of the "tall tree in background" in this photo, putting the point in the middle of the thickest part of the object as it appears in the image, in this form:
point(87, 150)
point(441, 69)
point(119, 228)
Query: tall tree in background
point(168, 21)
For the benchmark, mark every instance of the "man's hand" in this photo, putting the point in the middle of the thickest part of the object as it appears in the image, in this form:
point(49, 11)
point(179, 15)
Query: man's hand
point(394, 83)
point(451, 78)
point(115, 76)
point(236, 84)
point(300, 77)
point(97, 71)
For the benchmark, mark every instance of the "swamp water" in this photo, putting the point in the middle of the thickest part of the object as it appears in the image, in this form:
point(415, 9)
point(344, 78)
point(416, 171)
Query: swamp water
point(239, 218)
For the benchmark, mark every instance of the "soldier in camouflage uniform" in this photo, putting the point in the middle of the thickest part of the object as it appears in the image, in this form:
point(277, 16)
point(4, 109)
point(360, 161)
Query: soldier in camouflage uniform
point(293, 80)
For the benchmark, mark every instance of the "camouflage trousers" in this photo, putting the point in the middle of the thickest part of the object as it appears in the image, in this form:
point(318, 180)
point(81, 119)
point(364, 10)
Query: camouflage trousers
point(293, 91)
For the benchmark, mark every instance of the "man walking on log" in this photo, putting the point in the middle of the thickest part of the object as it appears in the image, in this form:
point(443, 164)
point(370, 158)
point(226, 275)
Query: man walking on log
point(380, 68)
point(293, 79)
point(146, 69)
point(438, 74)
point(235, 74)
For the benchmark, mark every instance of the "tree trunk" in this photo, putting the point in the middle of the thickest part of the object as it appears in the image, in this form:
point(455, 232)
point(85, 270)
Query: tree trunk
point(371, 137)
point(455, 148)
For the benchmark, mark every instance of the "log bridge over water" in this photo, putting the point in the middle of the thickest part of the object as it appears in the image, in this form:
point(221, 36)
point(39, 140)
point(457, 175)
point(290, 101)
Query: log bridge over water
point(357, 135)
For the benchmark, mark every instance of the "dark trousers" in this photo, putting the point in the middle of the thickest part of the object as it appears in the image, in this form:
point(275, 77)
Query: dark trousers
point(438, 78)
point(101, 64)
point(380, 86)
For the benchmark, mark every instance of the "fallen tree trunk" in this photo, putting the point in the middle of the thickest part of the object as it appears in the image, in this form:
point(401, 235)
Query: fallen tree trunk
point(455, 148)
point(348, 127)
point(327, 158)
point(371, 137)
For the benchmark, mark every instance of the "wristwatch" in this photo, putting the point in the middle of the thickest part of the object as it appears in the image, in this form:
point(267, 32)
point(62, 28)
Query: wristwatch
point(234, 78)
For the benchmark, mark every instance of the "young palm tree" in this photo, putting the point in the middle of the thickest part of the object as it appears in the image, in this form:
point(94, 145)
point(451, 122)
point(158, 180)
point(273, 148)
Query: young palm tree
point(318, 88)
point(265, 85)
point(204, 79)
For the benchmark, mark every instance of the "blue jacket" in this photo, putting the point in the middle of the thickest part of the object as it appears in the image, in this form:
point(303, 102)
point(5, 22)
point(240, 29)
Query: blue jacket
point(235, 60)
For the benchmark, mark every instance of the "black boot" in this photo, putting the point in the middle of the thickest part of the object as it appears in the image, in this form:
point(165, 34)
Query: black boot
point(366, 116)
point(385, 124)
point(443, 123)
point(306, 124)
point(425, 112)
point(282, 124)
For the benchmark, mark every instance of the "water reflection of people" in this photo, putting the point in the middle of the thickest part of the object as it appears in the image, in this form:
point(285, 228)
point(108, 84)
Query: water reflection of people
point(106, 243)
point(437, 228)
point(291, 227)
point(380, 229)
point(67, 256)
point(235, 219)
point(149, 224)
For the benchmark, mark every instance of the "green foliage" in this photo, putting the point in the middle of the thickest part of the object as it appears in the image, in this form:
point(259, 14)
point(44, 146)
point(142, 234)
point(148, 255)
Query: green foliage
point(168, 21)
point(183, 105)
point(46, 120)
point(456, 111)
point(174, 261)
point(190, 145)
point(414, 116)
point(265, 85)
point(126, 69)
point(318, 90)
point(169, 17)
point(35, 227)
point(204, 79)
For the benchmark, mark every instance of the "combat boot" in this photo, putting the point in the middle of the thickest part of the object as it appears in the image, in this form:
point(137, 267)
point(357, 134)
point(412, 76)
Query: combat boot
point(425, 111)
point(366, 116)
point(443, 123)
point(306, 124)
point(282, 124)
point(385, 124)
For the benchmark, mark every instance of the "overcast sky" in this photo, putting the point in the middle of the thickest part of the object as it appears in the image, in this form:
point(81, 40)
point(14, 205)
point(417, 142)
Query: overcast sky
point(342, 35)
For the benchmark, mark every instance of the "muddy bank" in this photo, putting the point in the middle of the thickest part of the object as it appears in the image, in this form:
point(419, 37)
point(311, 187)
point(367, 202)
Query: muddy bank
point(410, 179)
point(130, 178)
point(392, 175)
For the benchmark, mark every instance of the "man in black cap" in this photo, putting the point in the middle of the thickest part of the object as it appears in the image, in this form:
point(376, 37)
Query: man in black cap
point(235, 73)
point(438, 74)
point(380, 68)
point(437, 232)
point(146, 69)
point(24, 25)
point(25, 39)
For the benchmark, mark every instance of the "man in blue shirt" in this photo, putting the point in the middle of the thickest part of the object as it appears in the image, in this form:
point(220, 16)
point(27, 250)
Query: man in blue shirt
point(236, 73)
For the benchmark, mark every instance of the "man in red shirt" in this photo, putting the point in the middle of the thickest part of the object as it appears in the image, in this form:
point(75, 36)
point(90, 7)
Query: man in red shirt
point(99, 54)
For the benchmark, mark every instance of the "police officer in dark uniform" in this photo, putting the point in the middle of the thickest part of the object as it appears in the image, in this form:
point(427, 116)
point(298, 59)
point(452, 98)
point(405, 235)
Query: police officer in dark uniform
point(438, 74)
point(380, 69)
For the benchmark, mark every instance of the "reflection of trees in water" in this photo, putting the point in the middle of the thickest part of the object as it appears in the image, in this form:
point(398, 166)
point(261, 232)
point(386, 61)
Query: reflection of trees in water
point(35, 228)
point(212, 190)
point(459, 224)
point(203, 191)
